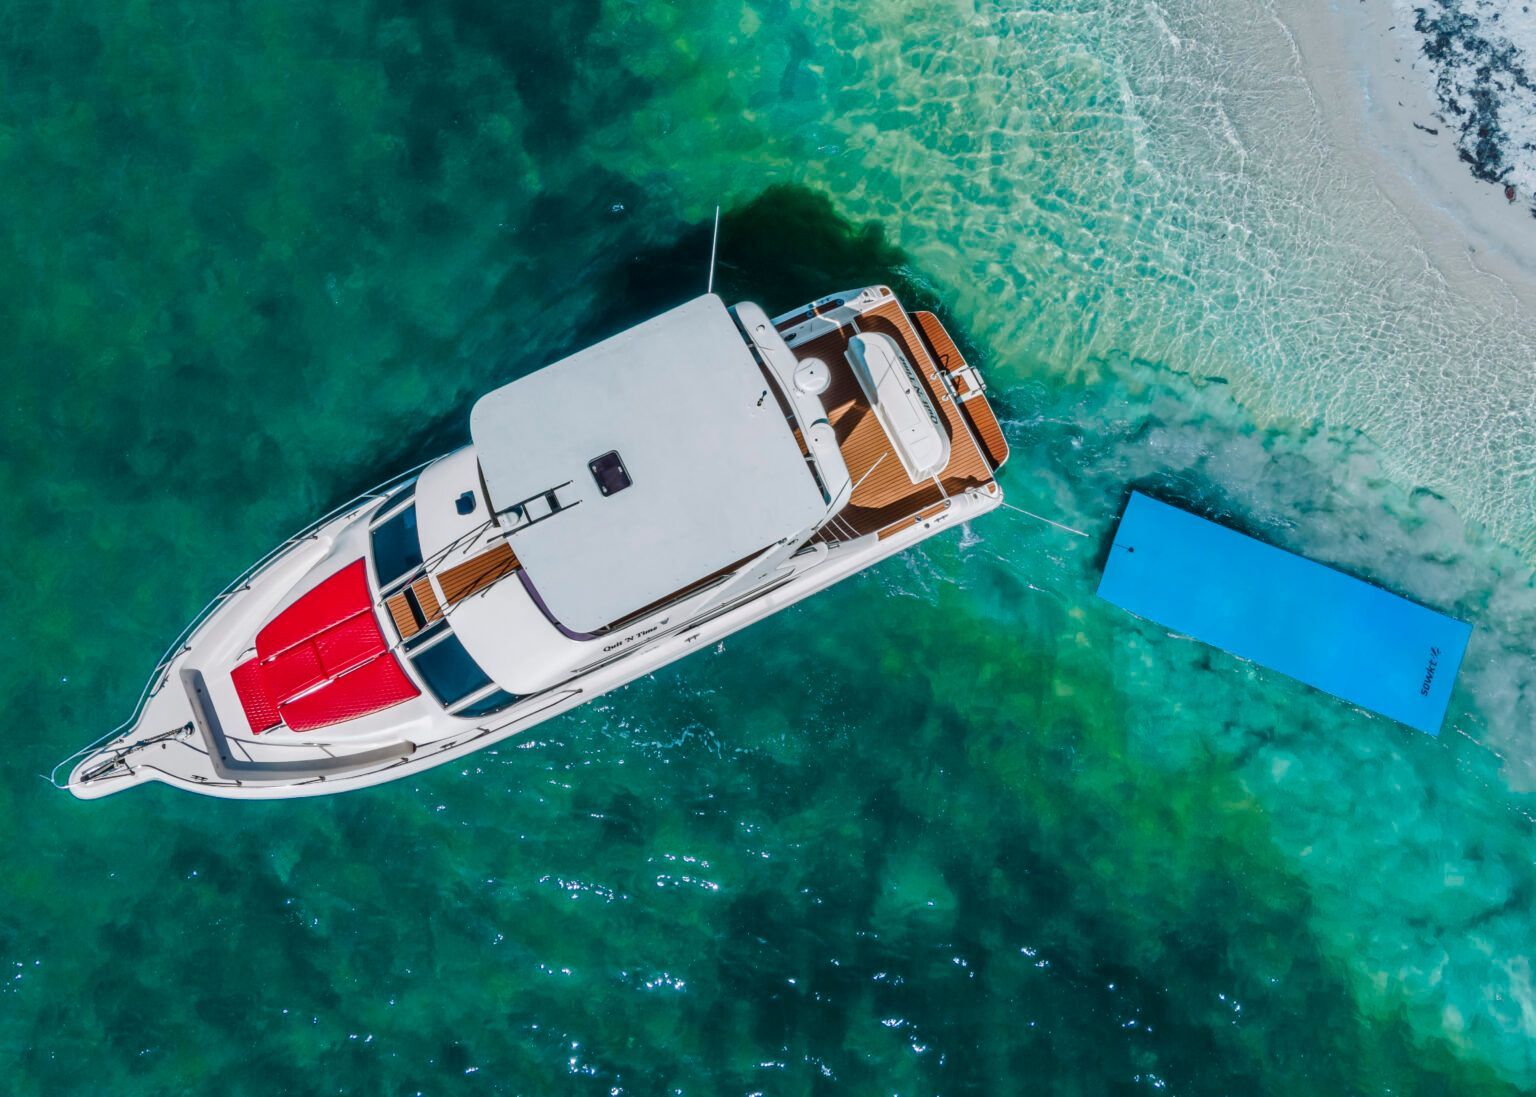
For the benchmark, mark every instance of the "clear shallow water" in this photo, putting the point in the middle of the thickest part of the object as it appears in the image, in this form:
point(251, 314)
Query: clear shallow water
point(1009, 838)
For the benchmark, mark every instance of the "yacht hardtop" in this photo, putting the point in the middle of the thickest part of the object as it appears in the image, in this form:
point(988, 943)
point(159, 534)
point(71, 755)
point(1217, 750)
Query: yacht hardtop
point(633, 469)
point(617, 509)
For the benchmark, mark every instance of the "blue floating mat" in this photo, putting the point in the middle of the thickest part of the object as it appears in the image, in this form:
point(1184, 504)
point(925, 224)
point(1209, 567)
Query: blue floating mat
point(1320, 626)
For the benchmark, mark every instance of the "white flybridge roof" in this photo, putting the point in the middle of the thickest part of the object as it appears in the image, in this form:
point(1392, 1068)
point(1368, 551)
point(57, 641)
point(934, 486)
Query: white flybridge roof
point(714, 473)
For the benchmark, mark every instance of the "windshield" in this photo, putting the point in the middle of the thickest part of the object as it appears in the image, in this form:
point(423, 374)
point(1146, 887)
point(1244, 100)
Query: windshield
point(494, 701)
point(396, 547)
point(449, 671)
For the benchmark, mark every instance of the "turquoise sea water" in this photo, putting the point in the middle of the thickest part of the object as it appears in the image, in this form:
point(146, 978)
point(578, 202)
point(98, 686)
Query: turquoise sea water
point(954, 826)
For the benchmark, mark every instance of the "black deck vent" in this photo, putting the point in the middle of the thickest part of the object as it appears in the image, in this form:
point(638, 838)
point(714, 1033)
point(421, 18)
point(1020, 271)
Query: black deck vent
point(609, 472)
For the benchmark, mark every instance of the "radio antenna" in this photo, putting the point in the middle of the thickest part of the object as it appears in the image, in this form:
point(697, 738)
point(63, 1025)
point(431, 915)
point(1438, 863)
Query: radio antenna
point(714, 242)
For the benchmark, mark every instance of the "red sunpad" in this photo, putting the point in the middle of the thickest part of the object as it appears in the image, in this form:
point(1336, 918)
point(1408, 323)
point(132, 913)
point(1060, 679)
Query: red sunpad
point(329, 643)
point(376, 685)
point(354, 641)
point(294, 671)
point(330, 602)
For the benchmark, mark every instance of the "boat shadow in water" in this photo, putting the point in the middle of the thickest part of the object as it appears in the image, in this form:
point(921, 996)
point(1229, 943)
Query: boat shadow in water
point(785, 245)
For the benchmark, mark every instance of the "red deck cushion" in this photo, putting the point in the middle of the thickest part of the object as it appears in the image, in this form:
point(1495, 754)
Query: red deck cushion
point(255, 697)
point(372, 687)
point(294, 671)
point(354, 641)
point(328, 643)
point(330, 602)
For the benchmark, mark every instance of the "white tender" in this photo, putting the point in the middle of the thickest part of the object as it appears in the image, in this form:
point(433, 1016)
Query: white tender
point(893, 390)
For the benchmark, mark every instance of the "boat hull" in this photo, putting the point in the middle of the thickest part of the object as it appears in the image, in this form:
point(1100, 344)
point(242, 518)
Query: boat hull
point(176, 738)
point(332, 664)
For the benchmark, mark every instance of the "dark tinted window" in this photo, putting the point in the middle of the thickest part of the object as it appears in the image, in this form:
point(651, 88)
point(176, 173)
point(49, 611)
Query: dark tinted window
point(449, 671)
point(491, 702)
point(426, 634)
point(396, 548)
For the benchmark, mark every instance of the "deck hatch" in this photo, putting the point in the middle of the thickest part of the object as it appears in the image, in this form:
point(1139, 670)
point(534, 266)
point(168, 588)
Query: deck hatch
point(609, 472)
point(714, 471)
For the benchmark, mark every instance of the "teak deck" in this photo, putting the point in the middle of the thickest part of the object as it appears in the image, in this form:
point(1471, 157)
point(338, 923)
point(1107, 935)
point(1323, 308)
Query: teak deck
point(884, 498)
point(977, 411)
point(458, 583)
point(400, 607)
point(477, 573)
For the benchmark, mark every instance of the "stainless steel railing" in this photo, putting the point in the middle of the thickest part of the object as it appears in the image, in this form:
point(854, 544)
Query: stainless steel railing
point(159, 676)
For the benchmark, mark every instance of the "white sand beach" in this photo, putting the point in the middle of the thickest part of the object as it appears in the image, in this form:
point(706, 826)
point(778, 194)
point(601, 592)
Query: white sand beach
point(1366, 60)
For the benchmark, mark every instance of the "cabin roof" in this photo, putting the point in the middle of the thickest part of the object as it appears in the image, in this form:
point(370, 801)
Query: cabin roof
point(714, 473)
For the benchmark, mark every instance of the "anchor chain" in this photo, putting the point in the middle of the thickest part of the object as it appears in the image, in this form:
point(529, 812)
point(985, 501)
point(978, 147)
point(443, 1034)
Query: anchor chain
point(119, 757)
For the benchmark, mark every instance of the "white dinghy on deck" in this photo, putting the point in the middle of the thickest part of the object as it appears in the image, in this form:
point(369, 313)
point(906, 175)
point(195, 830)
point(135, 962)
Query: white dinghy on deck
point(891, 386)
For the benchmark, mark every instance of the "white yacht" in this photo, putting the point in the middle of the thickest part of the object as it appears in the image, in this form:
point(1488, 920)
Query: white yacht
point(615, 511)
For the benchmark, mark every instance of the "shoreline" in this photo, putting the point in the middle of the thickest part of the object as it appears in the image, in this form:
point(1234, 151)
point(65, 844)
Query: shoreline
point(1367, 61)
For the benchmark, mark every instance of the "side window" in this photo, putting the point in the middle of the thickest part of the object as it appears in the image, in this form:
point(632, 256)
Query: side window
point(491, 702)
point(449, 671)
point(396, 547)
